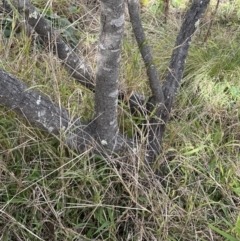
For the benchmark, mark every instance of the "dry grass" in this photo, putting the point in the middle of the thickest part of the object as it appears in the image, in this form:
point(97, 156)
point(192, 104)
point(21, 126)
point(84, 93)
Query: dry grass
point(48, 192)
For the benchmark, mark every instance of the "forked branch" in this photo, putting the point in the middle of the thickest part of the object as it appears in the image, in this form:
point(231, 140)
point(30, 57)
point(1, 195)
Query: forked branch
point(163, 97)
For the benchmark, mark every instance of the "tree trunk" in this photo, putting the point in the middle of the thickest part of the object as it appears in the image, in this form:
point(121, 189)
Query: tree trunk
point(108, 61)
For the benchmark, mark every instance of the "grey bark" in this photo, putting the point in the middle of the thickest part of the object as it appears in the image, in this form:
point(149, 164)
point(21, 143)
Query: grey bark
point(154, 82)
point(167, 93)
point(178, 60)
point(180, 52)
point(86, 134)
point(108, 61)
point(156, 102)
point(83, 75)
point(42, 112)
point(76, 66)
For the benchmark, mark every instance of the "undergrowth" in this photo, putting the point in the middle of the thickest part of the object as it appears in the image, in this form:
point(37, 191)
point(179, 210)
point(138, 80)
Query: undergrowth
point(48, 192)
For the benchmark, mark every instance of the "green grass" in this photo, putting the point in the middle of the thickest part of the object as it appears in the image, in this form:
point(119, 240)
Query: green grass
point(48, 192)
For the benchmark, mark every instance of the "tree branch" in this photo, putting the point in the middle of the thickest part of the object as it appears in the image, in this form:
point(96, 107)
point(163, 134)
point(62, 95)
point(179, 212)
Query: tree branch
point(161, 102)
point(178, 60)
point(133, 8)
point(85, 75)
point(76, 66)
point(40, 25)
point(42, 112)
point(156, 102)
point(180, 52)
point(74, 61)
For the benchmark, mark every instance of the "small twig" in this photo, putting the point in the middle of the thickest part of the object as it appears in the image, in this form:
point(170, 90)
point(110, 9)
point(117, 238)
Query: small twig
point(166, 4)
point(214, 13)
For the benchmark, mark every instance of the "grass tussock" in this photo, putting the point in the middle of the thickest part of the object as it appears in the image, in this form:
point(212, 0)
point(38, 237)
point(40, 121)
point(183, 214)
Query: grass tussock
point(48, 192)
